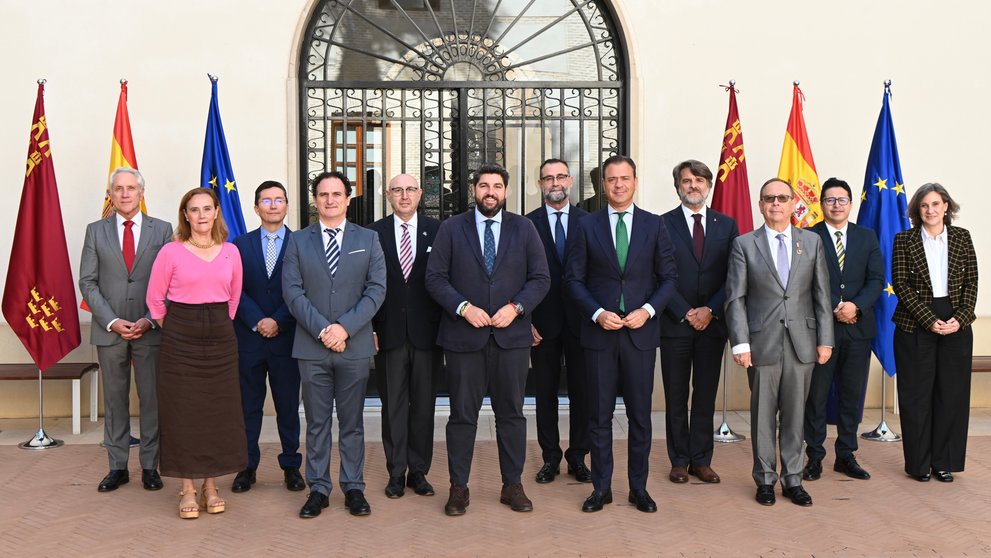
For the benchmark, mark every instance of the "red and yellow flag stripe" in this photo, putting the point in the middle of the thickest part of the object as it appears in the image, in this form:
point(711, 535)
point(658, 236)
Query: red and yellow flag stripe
point(798, 168)
point(121, 148)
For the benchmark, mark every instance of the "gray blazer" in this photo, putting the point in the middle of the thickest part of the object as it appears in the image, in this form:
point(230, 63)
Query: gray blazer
point(109, 290)
point(351, 298)
point(757, 305)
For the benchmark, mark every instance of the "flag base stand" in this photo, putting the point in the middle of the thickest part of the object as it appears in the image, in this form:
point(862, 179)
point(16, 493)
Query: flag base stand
point(41, 439)
point(882, 433)
point(724, 434)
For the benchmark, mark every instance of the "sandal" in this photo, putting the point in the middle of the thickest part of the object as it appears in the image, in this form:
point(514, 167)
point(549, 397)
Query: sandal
point(187, 509)
point(214, 504)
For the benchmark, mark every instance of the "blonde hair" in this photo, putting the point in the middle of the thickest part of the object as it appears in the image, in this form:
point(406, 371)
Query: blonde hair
point(183, 232)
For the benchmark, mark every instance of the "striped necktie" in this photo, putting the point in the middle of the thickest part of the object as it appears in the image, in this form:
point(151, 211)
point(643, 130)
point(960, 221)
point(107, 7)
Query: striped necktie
point(333, 251)
point(405, 252)
point(840, 251)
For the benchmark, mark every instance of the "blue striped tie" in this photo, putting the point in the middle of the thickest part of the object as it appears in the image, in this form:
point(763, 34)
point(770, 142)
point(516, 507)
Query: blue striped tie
point(333, 251)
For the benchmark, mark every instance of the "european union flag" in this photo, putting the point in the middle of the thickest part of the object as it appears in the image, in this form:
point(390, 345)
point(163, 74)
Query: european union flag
point(216, 171)
point(884, 208)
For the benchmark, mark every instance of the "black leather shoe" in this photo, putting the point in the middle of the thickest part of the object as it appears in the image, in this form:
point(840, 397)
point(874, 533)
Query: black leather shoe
point(798, 496)
point(315, 503)
point(356, 502)
point(580, 471)
point(151, 479)
point(598, 499)
point(812, 470)
point(113, 480)
point(547, 473)
point(458, 501)
point(849, 467)
point(396, 487)
point(418, 482)
point(765, 495)
point(643, 501)
point(943, 476)
point(921, 478)
point(243, 481)
point(294, 480)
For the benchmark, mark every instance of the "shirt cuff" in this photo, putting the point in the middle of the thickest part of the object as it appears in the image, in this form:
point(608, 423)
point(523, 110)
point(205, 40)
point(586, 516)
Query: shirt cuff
point(595, 316)
point(649, 309)
point(741, 348)
point(111, 324)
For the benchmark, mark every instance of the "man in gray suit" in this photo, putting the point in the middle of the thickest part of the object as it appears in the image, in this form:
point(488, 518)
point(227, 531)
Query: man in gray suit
point(780, 324)
point(113, 276)
point(333, 279)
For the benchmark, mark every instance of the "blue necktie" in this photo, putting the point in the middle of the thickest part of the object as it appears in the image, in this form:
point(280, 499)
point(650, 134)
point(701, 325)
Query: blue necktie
point(333, 251)
point(490, 247)
point(783, 269)
point(559, 236)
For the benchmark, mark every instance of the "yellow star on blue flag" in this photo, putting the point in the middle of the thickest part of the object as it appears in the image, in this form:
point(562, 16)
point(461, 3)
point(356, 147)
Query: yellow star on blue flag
point(216, 169)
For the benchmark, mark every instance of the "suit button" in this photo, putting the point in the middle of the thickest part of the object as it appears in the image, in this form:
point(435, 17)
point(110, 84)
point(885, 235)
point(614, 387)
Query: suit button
point(786, 297)
point(842, 286)
point(782, 321)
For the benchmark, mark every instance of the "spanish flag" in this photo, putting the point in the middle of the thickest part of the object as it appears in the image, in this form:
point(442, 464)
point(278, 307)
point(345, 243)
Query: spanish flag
point(798, 168)
point(121, 148)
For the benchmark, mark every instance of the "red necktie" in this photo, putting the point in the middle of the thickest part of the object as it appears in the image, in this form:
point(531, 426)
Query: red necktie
point(128, 250)
point(698, 237)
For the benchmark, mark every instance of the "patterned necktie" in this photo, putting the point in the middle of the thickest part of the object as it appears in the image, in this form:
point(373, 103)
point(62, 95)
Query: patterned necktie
point(698, 237)
point(840, 252)
point(622, 250)
point(128, 248)
point(405, 252)
point(490, 248)
point(783, 269)
point(559, 236)
point(333, 251)
point(270, 254)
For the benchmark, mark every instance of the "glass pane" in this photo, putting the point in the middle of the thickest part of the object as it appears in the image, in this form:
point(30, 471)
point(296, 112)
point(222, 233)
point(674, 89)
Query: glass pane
point(373, 136)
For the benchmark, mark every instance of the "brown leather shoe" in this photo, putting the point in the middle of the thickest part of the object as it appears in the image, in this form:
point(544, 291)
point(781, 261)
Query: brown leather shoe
point(513, 496)
point(679, 475)
point(704, 473)
point(458, 500)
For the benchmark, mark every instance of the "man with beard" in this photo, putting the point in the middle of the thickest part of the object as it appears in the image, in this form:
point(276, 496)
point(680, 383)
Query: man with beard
point(487, 270)
point(556, 326)
point(693, 331)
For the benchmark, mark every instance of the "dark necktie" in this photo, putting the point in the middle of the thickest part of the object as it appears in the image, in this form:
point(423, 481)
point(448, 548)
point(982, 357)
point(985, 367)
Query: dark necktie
point(840, 251)
point(698, 237)
point(622, 250)
point(559, 236)
point(490, 247)
point(128, 248)
point(333, 251)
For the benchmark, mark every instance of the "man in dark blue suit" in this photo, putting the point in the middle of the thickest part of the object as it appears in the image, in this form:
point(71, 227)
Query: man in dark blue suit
point(487, 270)
point(856, 278)
point(621, 273)
point(693, 331)
point(265, 330)
point(406, 337)
point(556, 326)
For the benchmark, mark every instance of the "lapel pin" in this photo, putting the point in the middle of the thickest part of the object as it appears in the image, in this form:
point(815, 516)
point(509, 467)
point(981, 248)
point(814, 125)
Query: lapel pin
point(798, 248)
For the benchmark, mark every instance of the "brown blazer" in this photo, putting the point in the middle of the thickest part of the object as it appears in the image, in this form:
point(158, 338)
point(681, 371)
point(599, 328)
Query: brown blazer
point(910, 279)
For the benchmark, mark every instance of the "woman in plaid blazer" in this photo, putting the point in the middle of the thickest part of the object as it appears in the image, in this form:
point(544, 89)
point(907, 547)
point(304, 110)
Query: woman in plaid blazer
point(934, 275)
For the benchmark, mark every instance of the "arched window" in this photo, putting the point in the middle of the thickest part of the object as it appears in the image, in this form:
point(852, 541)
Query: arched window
point(435, 88)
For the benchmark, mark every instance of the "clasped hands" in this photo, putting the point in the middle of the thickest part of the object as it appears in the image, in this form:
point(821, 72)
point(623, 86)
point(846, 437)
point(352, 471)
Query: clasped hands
point(334, 337)
point(480, 318)
point(267, 327)
point(945, 328)
point(845, 312)
point(131, 330)
point(610, 321)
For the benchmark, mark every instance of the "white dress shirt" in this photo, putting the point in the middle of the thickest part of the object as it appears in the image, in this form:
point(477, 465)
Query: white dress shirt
point(398, 227)
point(690, 220)
point(937, 256)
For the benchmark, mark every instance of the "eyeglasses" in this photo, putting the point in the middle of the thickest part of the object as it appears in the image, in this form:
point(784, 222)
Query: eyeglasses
point(410, 190)
point(277, 202)
point(551, 178)
point(836, 201)
point(780, 198)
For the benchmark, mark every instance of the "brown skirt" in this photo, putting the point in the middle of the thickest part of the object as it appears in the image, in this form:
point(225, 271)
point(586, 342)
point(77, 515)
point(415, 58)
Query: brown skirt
point(199, 396)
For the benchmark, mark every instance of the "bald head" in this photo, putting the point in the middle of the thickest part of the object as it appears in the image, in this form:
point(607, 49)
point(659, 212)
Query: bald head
point(404, 196)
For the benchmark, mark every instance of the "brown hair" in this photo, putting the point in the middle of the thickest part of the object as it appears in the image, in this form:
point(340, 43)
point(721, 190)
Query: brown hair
point(697, 168)
point(914, 214)
point(183, 232)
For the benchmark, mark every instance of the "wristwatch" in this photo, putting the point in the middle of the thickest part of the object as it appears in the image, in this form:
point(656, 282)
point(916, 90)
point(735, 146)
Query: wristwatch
point(518, 307)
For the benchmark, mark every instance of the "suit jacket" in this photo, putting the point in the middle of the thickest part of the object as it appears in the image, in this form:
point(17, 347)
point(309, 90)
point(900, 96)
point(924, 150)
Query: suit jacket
point(594, 280)
point(408, 312)
point(699, 283)
point(107, 287)
point(758, 305)
point(557, 309)
point(910, 279)
point(261, 297)
point(456, 272)
point(861, 280)
point(350, 298)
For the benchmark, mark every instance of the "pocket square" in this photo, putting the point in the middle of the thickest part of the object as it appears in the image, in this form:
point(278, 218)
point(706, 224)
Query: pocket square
point(355, 251)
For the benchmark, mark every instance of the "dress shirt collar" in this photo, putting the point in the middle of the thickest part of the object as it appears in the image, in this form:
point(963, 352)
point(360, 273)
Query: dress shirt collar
point(941, 236)
point(551, 211)
point(689, 213)
point(628, 210)
point(772, 234)
point(480, 219)
point(399, 222)
point(833, 230)
point(137, 220)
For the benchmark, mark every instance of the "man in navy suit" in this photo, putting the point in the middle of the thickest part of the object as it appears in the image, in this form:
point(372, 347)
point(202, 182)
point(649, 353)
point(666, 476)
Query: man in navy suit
point(856, 278)
point(265, 330)
point(621, 273)
point(556, 325)
point(693, 331)
point(406, 337)
point(487, 270)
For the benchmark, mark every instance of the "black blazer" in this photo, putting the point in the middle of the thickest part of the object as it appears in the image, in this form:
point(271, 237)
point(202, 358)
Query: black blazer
point(261, 297)
point(861, 280)
point(456, 272)
point(550, 316)
point(699, 283)
point(408, 311)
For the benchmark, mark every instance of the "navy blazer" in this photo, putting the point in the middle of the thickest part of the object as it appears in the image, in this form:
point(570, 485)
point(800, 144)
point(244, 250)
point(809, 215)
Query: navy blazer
point(550, 316)
point(408, 311)
point(261, 297)
point(699, 283)
point(456, 272)
point(861, 280)
point(594, 280)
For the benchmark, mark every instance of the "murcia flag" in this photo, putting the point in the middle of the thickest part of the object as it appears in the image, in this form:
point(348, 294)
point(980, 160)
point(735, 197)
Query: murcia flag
point(732, 190)
point(798, 168)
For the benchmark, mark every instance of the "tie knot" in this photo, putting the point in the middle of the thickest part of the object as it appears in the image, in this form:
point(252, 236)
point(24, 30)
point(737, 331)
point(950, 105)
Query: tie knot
point(839, 234)
point(488, 223)
point(405, 226)
point(272, 236)
point(621, 214)
point(697, 217)
point(331, 232)
point(128, 224)
point(559, 214)
point(781, 237)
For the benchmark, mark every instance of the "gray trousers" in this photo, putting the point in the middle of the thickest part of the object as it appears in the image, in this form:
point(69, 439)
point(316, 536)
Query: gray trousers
point(777, 393)
point(115, 363)
point(324, 382)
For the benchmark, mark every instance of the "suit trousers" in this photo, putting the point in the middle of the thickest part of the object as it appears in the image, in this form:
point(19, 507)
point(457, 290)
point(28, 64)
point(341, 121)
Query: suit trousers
point(620, 366)
point(847, 368)
point(694, 360)
point(405, 380)
point(777, 395)
point(546, 360)
point(334, 379)
point(283, 376)
point(503, 373)
point(115, 362)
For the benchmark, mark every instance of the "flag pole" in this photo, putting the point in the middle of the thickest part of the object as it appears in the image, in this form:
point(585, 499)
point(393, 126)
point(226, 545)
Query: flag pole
point(724, 434)
point(882, 433)
point(41, 439)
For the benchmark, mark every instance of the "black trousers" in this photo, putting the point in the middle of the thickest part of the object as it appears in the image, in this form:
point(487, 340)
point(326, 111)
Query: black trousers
point(849, 364)
point(405, 380)
point(546, 360)
point(690, 361)
point(283, 376)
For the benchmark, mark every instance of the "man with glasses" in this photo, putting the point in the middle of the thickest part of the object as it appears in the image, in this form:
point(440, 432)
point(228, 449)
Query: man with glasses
point(408, 360)
point(780, 324)
point(265, 330)
point(856, 278)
